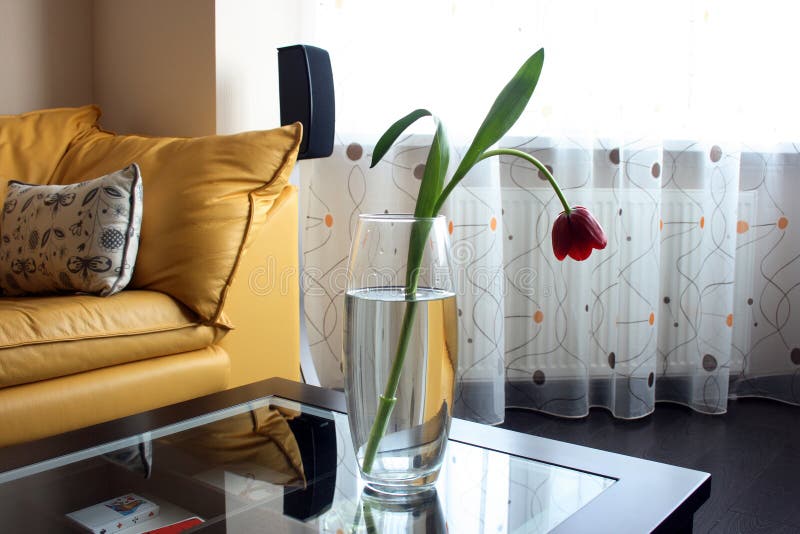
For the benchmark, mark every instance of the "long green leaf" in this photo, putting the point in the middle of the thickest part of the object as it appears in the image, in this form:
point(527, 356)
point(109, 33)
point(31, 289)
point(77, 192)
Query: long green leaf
point(435, 172)
point(507, 108)
point(505, 111)
point(393, 132)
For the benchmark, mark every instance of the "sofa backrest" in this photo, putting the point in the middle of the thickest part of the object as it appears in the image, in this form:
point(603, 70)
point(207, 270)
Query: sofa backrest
point(202, 198)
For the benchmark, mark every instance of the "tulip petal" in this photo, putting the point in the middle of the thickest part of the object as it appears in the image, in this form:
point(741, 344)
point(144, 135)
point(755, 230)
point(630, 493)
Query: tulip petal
point(561, 236)
point(580, 251)
point(590, 229)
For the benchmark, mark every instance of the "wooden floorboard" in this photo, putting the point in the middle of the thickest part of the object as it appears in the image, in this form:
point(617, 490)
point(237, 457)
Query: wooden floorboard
point(752, 453)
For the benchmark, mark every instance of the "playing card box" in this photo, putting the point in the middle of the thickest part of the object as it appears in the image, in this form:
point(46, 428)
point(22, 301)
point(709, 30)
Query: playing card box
point(115, 514)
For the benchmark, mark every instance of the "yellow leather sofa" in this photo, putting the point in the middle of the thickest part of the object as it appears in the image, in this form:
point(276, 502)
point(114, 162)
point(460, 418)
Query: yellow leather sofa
point(213, 302)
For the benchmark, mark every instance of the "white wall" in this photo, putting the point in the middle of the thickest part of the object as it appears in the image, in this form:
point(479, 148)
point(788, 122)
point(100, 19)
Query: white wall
point(45, 46)
point(154, 67)
point(248, 33)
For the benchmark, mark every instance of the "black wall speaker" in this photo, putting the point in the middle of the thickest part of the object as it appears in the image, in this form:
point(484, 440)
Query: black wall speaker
point(306, 94)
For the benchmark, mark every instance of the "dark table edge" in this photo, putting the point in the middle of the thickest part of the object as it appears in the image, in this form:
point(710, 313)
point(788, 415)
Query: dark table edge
point(658, 497)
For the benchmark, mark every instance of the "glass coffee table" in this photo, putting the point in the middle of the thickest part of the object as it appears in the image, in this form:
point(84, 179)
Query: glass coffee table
point(276, 456)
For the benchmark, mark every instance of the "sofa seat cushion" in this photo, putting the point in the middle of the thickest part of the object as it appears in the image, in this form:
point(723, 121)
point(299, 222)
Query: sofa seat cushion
point(50, 407)
point(53, 336)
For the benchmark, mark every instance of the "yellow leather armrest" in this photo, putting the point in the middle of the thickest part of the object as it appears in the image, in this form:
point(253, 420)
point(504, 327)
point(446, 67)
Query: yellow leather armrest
point(263, 302)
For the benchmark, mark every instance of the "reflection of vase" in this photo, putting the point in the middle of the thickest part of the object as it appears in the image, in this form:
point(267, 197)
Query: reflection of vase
point(389, 516)
point(400, 349)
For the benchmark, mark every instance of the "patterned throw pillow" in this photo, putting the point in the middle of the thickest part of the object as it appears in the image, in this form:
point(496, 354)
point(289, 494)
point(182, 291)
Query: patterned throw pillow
point(80, 237)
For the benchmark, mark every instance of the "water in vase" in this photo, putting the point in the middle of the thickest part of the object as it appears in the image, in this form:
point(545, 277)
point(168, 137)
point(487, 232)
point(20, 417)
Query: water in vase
point(413, 445)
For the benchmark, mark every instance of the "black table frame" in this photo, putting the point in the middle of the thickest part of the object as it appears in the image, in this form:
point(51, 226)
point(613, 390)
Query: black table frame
point(646, 497)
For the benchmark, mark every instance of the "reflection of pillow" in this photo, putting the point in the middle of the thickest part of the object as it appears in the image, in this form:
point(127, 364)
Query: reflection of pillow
point(80, 237)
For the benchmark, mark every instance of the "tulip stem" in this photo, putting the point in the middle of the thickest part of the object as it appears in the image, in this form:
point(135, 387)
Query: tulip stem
point(387, 401)
point(536, 163)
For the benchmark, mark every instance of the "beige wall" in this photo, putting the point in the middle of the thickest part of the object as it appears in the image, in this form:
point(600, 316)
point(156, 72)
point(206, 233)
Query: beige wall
point(45, 46)
point(154, 69)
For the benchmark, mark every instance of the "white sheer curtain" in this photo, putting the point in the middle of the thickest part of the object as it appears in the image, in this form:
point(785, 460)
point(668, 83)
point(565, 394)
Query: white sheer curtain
point(672, 122)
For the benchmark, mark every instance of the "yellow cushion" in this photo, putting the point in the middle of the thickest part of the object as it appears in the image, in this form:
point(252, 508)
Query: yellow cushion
point(32, 144)
point(202, 197)
point(47, 337)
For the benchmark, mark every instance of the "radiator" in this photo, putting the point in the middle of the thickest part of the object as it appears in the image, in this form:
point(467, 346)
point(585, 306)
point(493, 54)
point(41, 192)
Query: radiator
point(534, 286)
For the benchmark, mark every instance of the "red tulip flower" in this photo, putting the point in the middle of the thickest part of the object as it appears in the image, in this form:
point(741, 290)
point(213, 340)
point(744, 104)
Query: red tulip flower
point(576, 233)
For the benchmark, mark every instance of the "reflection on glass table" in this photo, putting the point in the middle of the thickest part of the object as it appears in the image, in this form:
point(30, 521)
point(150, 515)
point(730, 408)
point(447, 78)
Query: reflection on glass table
point(273, 465)
point(478, 490)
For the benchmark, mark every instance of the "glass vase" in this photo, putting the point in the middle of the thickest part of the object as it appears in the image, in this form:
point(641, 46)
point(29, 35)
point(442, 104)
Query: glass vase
point(400, 350)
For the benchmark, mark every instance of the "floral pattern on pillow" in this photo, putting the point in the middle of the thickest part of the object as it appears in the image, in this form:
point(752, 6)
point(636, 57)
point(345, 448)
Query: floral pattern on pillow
point(71, 238)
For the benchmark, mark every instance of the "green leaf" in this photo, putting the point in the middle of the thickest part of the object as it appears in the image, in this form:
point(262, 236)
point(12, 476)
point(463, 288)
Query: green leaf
point(429, 191)
point(435, 172)
point(390, 136)
point(505, 111)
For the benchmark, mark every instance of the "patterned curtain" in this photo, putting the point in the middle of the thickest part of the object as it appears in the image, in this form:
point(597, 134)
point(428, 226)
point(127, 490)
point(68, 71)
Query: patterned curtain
point(692, 296)
point(692, 300)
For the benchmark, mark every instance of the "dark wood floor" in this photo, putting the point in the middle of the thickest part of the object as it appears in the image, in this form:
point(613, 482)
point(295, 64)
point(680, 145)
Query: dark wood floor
point(752, 453)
